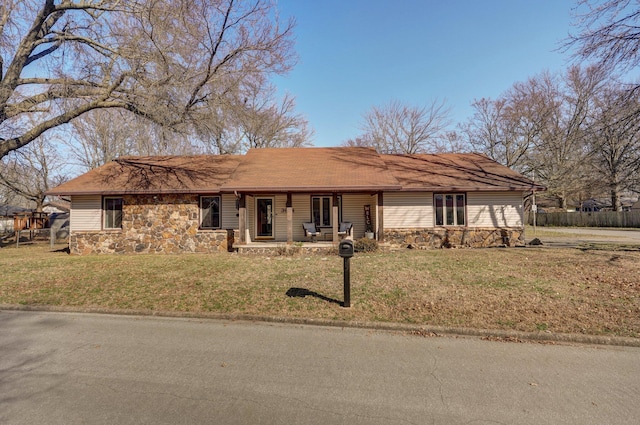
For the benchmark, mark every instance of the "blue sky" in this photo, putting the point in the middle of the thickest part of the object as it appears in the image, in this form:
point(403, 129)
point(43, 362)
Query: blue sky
point(354, 54)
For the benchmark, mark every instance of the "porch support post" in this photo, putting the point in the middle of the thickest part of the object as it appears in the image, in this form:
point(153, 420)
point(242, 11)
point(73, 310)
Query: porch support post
point(334, 218)
point(242, 218)
point(380, 216)
point(289, 219)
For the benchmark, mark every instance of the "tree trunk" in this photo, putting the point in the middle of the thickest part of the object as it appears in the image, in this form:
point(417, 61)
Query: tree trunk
point(616, 203)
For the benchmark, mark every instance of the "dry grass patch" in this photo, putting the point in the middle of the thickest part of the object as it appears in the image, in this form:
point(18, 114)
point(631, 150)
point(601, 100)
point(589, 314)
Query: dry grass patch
point(594, 291)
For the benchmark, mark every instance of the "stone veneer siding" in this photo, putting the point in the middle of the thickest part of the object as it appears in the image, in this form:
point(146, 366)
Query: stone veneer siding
point(454, 238)
point(167, 224)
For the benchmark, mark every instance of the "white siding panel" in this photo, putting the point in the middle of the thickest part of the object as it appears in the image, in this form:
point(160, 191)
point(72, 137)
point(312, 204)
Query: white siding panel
point(86, 213)
point(408, 210)
point(494, 209)
point(229, 213)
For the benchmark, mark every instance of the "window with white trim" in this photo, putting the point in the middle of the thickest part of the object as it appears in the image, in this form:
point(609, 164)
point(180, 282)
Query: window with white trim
point(112, 212)
point(322, 211)
point(210, 212)
point(450, 209)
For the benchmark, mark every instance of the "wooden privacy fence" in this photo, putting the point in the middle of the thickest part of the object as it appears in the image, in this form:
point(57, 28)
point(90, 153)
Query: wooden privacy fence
point(586, 219)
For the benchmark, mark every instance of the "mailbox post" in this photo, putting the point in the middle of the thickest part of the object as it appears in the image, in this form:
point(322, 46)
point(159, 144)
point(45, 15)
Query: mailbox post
point(345, 250)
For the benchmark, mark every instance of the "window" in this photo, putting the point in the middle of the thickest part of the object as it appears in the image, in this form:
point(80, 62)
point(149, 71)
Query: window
point(112, 213)
point(209, 212)
point(321, 211)
point(449, 209)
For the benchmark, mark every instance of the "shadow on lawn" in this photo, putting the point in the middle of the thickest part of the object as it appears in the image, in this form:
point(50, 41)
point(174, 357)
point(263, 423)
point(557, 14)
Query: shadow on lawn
point(302, 292)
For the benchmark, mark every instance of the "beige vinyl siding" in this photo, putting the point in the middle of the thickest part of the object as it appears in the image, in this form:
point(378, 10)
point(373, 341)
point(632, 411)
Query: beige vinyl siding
point(408, 210)
point(301, 214)
point(229, 214)
point(280, 212)
point(86, 213)
point(353, 211)
point(494, 209)
point(250, 202)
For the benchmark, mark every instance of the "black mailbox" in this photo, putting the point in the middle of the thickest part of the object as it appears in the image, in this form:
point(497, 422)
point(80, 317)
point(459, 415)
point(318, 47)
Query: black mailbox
point(345, 248)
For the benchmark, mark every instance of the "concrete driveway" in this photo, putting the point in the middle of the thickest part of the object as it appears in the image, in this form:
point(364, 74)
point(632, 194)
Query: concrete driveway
point(572, 236)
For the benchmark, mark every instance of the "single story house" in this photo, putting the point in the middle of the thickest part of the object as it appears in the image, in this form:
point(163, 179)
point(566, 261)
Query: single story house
point(205, 203)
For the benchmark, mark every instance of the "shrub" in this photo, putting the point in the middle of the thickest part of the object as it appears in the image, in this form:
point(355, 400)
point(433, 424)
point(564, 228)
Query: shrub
point(365, 245)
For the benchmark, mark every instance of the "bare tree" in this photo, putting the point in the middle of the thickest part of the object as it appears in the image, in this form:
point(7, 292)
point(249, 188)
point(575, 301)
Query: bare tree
point(276, 125)
point(452, 142)
point(608, 33)
point(166, 60)
point(100, 136)
point(267, 123)
point(539, 127)
point(501, 130)
point(362, 141)
point(399, 128)
point(8, 197)
point(560, 156)
point(103, 135)
point(486, 132)
point(219, 132)
point(614, 142)
point(28, 173)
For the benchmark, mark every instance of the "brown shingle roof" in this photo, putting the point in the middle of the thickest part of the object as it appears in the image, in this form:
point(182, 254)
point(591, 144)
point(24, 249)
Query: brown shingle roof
point(156, 174)
point(297, 170)
point(454, 172)
point(311, 169)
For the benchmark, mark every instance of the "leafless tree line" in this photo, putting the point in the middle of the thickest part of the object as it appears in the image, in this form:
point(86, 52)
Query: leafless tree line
point(184, 66)
point(90, 80)
point(400, 128)
point(577, 133)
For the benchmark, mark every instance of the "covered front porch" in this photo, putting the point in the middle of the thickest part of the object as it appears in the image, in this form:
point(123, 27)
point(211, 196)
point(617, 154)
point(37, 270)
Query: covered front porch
point(278, 218)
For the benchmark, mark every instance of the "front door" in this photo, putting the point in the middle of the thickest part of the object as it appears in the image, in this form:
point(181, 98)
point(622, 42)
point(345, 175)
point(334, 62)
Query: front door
point(264, 218)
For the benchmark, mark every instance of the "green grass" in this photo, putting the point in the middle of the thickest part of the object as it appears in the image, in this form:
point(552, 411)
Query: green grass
point(559, 290)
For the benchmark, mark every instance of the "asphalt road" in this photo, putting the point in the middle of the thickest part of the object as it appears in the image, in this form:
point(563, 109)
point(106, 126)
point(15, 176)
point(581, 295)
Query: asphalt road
point(62, 368)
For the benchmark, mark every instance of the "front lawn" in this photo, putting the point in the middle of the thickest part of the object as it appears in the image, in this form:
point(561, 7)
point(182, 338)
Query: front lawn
point(592, 291)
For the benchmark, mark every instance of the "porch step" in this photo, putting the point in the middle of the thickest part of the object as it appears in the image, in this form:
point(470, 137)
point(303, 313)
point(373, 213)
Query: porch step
point(281, 248)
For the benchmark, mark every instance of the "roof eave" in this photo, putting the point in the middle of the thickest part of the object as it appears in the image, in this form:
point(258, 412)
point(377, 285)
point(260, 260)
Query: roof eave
point(308, 189)
point(132, 192)
point(297, 189)
point(472, 188)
